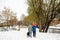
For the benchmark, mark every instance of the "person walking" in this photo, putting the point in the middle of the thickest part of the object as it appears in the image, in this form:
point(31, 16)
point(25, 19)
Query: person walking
point(29, 30)
point(34, 29)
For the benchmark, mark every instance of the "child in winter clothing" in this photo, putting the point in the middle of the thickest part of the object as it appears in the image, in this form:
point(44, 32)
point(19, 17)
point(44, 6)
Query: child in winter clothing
point(34, 29)
point(30, 30)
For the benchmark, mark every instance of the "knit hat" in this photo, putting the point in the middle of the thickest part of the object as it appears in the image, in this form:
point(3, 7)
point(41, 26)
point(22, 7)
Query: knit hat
point(34, 24)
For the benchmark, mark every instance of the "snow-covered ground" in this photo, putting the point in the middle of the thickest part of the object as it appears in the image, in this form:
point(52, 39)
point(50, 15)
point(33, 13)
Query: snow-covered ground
point(21, 35)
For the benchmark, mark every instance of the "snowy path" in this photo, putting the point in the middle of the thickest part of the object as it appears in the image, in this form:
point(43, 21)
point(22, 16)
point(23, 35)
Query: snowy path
point(21, 35)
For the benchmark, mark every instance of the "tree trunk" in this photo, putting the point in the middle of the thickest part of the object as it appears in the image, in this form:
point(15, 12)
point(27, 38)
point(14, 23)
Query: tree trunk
point(40, 26)
point(18, 27)
point(47, 25)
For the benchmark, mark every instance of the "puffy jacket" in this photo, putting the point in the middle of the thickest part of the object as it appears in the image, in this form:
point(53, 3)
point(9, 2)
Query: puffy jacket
point(30, 28)
point(34, 28)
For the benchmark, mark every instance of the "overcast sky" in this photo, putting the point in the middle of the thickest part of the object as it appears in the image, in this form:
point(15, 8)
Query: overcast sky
point(17, 6)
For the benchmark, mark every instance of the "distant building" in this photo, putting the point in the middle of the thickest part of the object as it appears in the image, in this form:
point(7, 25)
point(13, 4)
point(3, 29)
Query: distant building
point(55, 21)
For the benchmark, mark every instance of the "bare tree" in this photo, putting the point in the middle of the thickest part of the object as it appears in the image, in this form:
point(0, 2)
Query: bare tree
point(45, 10)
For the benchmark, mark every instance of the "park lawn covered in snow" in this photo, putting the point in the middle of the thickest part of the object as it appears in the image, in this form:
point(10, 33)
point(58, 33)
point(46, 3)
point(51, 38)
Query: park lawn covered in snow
point(21, 35)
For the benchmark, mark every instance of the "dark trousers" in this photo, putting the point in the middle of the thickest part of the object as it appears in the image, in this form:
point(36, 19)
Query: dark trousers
point(34, 34)
point(27, 33)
